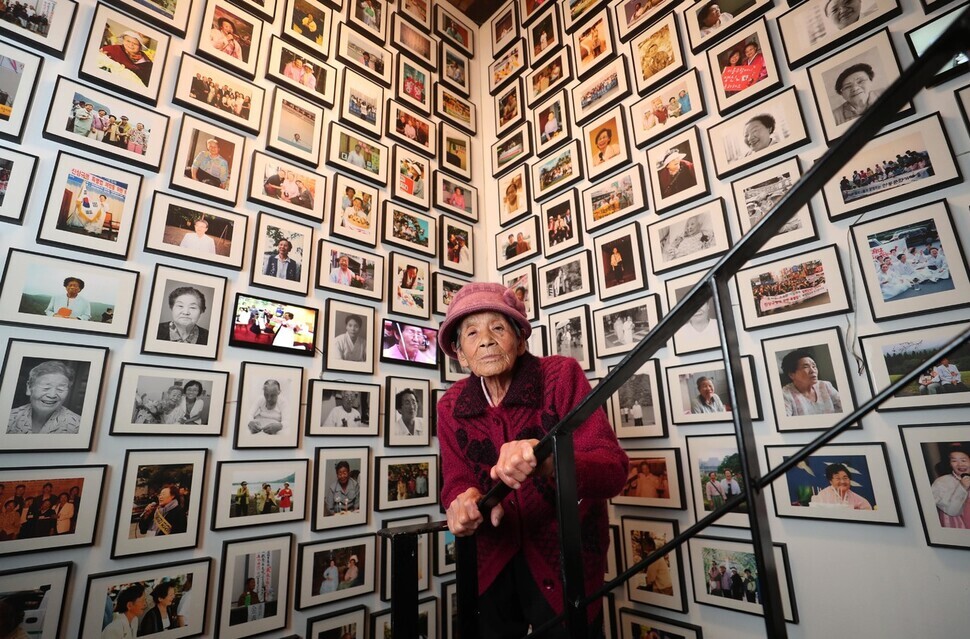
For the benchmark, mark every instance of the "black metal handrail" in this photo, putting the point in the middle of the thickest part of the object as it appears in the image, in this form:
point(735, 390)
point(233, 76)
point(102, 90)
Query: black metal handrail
point(713, 284)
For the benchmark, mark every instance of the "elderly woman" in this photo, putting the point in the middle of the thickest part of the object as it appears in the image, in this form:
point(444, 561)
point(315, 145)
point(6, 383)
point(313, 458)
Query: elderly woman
point(488, 425)
point(162, 616)
point(806, 394)
point(70, 304)
point(48, 387)
point(270, 412)
point(839, 493)
point(187, 304)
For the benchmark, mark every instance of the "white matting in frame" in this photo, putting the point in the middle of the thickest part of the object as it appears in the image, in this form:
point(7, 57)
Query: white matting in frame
point(172, 17)
point(282, 254)
point(358, 155)
point(618, 256)
point(657, 53)
point(20, 80)
point(51, 580)
point(390, 470)
point(335, 569)
point(804, 286)
point(51, 36)
point(255, 493)
point(712, 467)
point(620, 327)
point(569, 331)
point(838, 482)
point(614, 199)
point(266, 560)
point(642, 537)
point(708, 23)
point(307, 24)
point(295, 127)
point(350, 338)
point(49, 395)
point(695, 235)
point(676, 170)
point(21, 169)
point(668, 109)
point(184, 313)
point(699, 392)
point(809, 380)
point(638, 405)
point(815, 27)
point(409, 279)
point(316, 80)
point(287, 187)
point(607, 142)
point(654, 480)
point(352, 620)
point(364, 54)
point(350, 271)
point(744, 67)
point(208, 160)
point(187, 230)
point(701, 332)
point(339, 408)
point(268, 417)
point(230, 37)
point(566, 279)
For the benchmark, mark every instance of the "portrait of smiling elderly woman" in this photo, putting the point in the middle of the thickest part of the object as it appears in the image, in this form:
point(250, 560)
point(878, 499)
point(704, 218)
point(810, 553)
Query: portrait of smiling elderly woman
point(488, 425)
point(759, 133)
point(854, 84)
point(48, 388)
point(805, 393)
point(839, 492)
point(187, 304)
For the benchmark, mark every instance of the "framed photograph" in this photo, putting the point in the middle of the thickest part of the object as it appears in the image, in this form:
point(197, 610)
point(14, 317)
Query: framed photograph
point(654, 480)
point(517, 243)
point(551, 123)
point(268, 409)
point(307, 24)
point(669, 109)
point(156, 512)
point(758, 193)
point(451, 29)
point(208, 160)
point(601, 90)
point(571, 336)
point(657, 54)
point(619, 262)
point(184, 313)
point(846, 83)
point(254, 590)
point(369, 17)
point(514, 149)
point(445, 560)
point(451, 371)
point(963, 101)
point(50, 36)
point(31, 292)
point(281, 256)
point(339, 408)
point(34, 591)
point(840, 482)
point(677, 171)
point(507, 66)
point(350, 271)
point(295, 127)
point(701, 332)
point(661, 583)
point(620, 327)
point(172, 17)
point(230, 37)
point(407, 286)
point(181, 590)
point(342, 480)
point(90, 207)
point(40, 507)
point(638, 407)
point(19, 169)
point(557, 171)
point(130, 133)
point(809, 380)
point(234, 101)
point(411, 129)
point(394, 480)
point(352, 620)
point(607, 143)
point(120, 52)
point(455, 197)
point(729, 558)
point(350, 338)
point(258, 493)
point(802, 286)
point(356, 207)
point(503, 27)
point(454, 69)
point(708, 24)
point(538, 342)
point(813, 28)
point(614, 199)
point(760, 132)
point(287, 187)
point(544, 36)
point(696, 390)
point(188, 401)
point(925, 164)
point(49, 396)
point(912, 255)
point(888, 356)
point(380, 622)
point(407, 400)
point(413, 85)
point(550, 76)
point(363, 54)
point(336, 569)
point(509, 108)
point(410, 185)
point(714, 473)
point(18, 79)
point(414, 43)
point(452, 107)
point(593, 43)
point(938, 456)
point(696, 235)
point(565, 280)
point(302, 73)
point(265, 9)
point(362, 157)
point(514, 194)
point(419, 12)
point(445, 288)
point(424, 557)
point(745, 67)
point(456, 246)
point(635, 623)
point(454, 151)
point(560, 218)
point(632, 16)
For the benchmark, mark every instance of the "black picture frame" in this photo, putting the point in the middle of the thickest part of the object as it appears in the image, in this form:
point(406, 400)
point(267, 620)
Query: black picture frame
point(373, 167)
point(307, 24)
point(363, 54)
point(509, 107)
point(618, 257)
point(411, 129)
point(408, 282)
point(423, 582)
point(21, 169)
point(373, 24)
point(352, 354)
point(192, 93)
point(544, 36)
point(569, 334)
point(592, 48)
point(456, 246)
point(286, 186)
point(503, 27)
point(277, 552)
point(601, 90)
point(238, 50)
point(697, 234)
point(559, 216)
point(366, 271)
point(51, 580)
point(51, 40)
point(354, 619)
point(321, 83)
point(321, 418)
point(551, 123)
point(505, 256)
point(282, 422)
point(452, 107)
point(455, 197)
point(614, 199)
point(413, 42)
point(172, 19)
point(740, 78)
point(312, 557)
point(668, 60)
point(506, 68)
point(412, 84)
point(358, 224)
point(389, 470)
point(808, 33)
point(295, 127)
point(190, 153)
point(192, 324)
point(512, 150)
point(557, 171)
point(269, 267)
point(234, 507)
point(412, 181)
point(688, 408)
point(454, 69)
point(644, 390)
point(451, 29)
point(641, 537)
point(565, 280)
point(454, 151)
point(740, 12)
point(607, 142)
point(329, 510)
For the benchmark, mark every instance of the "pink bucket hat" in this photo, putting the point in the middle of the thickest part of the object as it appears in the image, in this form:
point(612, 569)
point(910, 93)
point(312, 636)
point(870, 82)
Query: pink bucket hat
point(478, 298)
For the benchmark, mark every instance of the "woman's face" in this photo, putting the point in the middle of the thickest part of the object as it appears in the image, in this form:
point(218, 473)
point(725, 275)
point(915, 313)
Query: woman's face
point(735, 58)
point(841, 482)
point(706, 389)
point(72, 288)
point(168, 598)
point(227, 27)
point(756, 135)
point(488, 344)
point(353, 327)
point(191, 392)
point(48, 392)
point(805, 375)
point(960, 463)
point(271, 392)
point(186, 311)
point(856, 87)
point(602, 139)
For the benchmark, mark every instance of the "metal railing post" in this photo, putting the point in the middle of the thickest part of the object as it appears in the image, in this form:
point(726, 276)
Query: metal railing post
point(570, 535)
point(466, 556)
point(404, 579)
